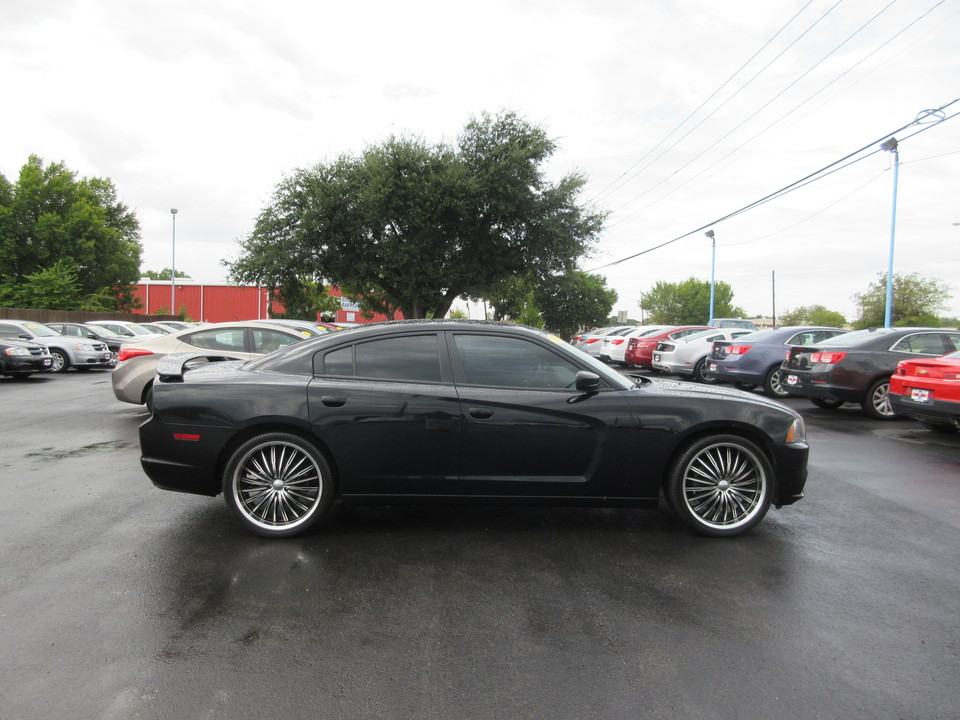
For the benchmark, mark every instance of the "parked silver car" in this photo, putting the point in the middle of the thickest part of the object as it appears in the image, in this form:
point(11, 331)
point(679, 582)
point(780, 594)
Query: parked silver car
point(133, 378)
point(687, 356)
point(66, 352)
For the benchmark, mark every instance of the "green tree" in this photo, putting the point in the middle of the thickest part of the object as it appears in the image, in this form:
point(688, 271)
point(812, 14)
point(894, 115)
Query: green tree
point(688, 302)
point(162, 274)
point(412, 227)
point(305, 299)
point(813, 315)
point(574, 300)
point(63, 227)
point(916, 301)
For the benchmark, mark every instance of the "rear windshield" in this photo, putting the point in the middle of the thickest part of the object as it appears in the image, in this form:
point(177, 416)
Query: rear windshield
point(853, 338)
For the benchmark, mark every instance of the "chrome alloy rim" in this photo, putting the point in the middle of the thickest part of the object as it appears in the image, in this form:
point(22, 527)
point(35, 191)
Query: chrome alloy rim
point(724, 485)
point(881, 400)
point(277, 485)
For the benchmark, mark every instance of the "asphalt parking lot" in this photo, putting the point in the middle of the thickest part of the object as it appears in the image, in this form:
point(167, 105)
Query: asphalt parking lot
point(119, 600)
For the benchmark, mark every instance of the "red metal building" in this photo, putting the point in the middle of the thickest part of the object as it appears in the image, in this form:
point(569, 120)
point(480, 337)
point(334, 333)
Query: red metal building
point(225, 303)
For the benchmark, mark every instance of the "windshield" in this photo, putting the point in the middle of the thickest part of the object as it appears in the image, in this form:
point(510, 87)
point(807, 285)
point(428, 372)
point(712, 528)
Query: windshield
point(41, 330)
point(137, 330)
point(103, 331)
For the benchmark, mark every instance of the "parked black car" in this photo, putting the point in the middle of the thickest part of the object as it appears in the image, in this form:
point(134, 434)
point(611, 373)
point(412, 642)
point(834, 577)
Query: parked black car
point(22, 358)
point(856, 367)
point(459, 411)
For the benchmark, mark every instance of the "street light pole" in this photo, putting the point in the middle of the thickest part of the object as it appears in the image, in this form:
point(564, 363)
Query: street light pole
point(173, 263)
point(890, 145)
point(713, 270)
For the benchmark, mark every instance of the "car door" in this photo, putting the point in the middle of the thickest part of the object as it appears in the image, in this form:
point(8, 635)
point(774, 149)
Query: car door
point(389, 413)
point(526, 430)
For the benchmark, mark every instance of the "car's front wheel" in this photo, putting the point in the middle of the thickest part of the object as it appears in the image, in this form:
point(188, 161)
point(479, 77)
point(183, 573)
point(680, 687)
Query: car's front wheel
point(720, 485)
point(278, 484)
point(876, 403)
point(826, 403)
point(60, 362)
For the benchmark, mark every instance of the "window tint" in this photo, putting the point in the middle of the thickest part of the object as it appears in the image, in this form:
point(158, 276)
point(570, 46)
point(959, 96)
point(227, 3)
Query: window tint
point(413, 357)
point(266, 341)
point(953, 340)
point(339, 362)
point(926, 344)
point(512, 362)
point(227, 339)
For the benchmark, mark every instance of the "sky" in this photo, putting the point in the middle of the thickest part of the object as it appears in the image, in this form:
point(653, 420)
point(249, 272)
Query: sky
point(679, 114)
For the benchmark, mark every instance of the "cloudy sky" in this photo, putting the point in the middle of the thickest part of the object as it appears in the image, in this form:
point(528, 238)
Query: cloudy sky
point(679, 113)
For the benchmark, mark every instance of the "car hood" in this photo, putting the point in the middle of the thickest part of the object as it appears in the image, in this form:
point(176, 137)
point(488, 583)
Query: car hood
point(16, 342)
point(666, 386)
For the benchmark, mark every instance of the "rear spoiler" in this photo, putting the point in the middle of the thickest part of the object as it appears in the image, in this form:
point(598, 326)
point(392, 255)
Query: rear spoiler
point(171, 368)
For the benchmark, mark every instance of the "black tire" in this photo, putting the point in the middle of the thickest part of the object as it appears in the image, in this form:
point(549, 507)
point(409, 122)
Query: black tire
point(720, 485)
point(61, 362)
point(773, 384)
point(938, 427)
point(278, 484)
point(700, 374)
point(746, 387)
point(148, 398)
point(876, 403)
point(826, 403)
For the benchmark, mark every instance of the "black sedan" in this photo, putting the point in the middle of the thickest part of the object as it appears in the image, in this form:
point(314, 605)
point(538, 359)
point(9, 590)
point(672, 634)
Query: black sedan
point(459, 411)
point(22, 358)
point(856, 367)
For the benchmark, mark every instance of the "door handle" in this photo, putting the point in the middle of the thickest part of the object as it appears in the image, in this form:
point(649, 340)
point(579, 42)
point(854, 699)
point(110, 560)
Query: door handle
point(480, 413)
point(333, 401)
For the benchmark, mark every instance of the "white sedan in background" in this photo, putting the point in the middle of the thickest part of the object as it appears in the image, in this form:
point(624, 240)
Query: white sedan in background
point(614, 347)
point(687, 355)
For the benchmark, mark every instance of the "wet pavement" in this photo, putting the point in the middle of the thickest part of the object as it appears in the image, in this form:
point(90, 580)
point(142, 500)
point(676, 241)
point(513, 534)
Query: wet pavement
point(118, 600)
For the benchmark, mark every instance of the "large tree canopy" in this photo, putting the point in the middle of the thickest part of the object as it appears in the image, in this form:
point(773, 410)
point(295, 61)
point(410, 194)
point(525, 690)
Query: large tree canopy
point(73, 233)
point(412, 227)
point(915, 301)
point(688, 302)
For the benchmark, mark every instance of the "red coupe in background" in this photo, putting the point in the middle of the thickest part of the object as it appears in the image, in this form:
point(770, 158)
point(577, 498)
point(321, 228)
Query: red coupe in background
point(639, 352)
point(928, 390)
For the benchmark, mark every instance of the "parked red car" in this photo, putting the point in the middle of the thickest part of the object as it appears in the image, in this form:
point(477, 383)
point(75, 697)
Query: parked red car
point(928, 390)
point(639, 351)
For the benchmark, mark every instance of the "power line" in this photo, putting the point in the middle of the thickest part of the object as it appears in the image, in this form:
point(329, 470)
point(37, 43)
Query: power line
point(610, 187)
point(816, 175)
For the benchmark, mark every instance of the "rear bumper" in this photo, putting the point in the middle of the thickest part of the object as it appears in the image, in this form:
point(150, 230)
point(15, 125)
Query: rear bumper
point(944, 412)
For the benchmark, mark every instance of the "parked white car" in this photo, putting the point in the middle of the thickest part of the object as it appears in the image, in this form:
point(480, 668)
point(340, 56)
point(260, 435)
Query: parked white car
point(687, 355)
point(591, 341)
point(614, 347)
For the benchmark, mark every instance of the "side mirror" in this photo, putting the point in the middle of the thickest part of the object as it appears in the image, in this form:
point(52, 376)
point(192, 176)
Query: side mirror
point(588, 382)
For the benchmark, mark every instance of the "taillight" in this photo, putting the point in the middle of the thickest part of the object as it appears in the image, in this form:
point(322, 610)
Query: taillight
point(591, 340)
point(827, 358)
point(632, 344)
point(618, 341)
point(737, 349)
point(954, 377)
point(127, 353)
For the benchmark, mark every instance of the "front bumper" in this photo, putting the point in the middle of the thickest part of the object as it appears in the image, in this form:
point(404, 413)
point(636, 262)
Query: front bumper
point(790, 466)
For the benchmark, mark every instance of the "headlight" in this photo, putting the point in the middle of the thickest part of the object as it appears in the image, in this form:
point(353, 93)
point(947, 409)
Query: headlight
point(83, 347)
point(797, 432)
point(16, 351)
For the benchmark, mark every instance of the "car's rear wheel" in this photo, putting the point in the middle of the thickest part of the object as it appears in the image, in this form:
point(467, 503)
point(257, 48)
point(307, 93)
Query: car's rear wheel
point(720, 485)
point(700, 373)
point(826, 403)
point(60, 362)
point(876, 403)
point(773, 384)
point(278, 484)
